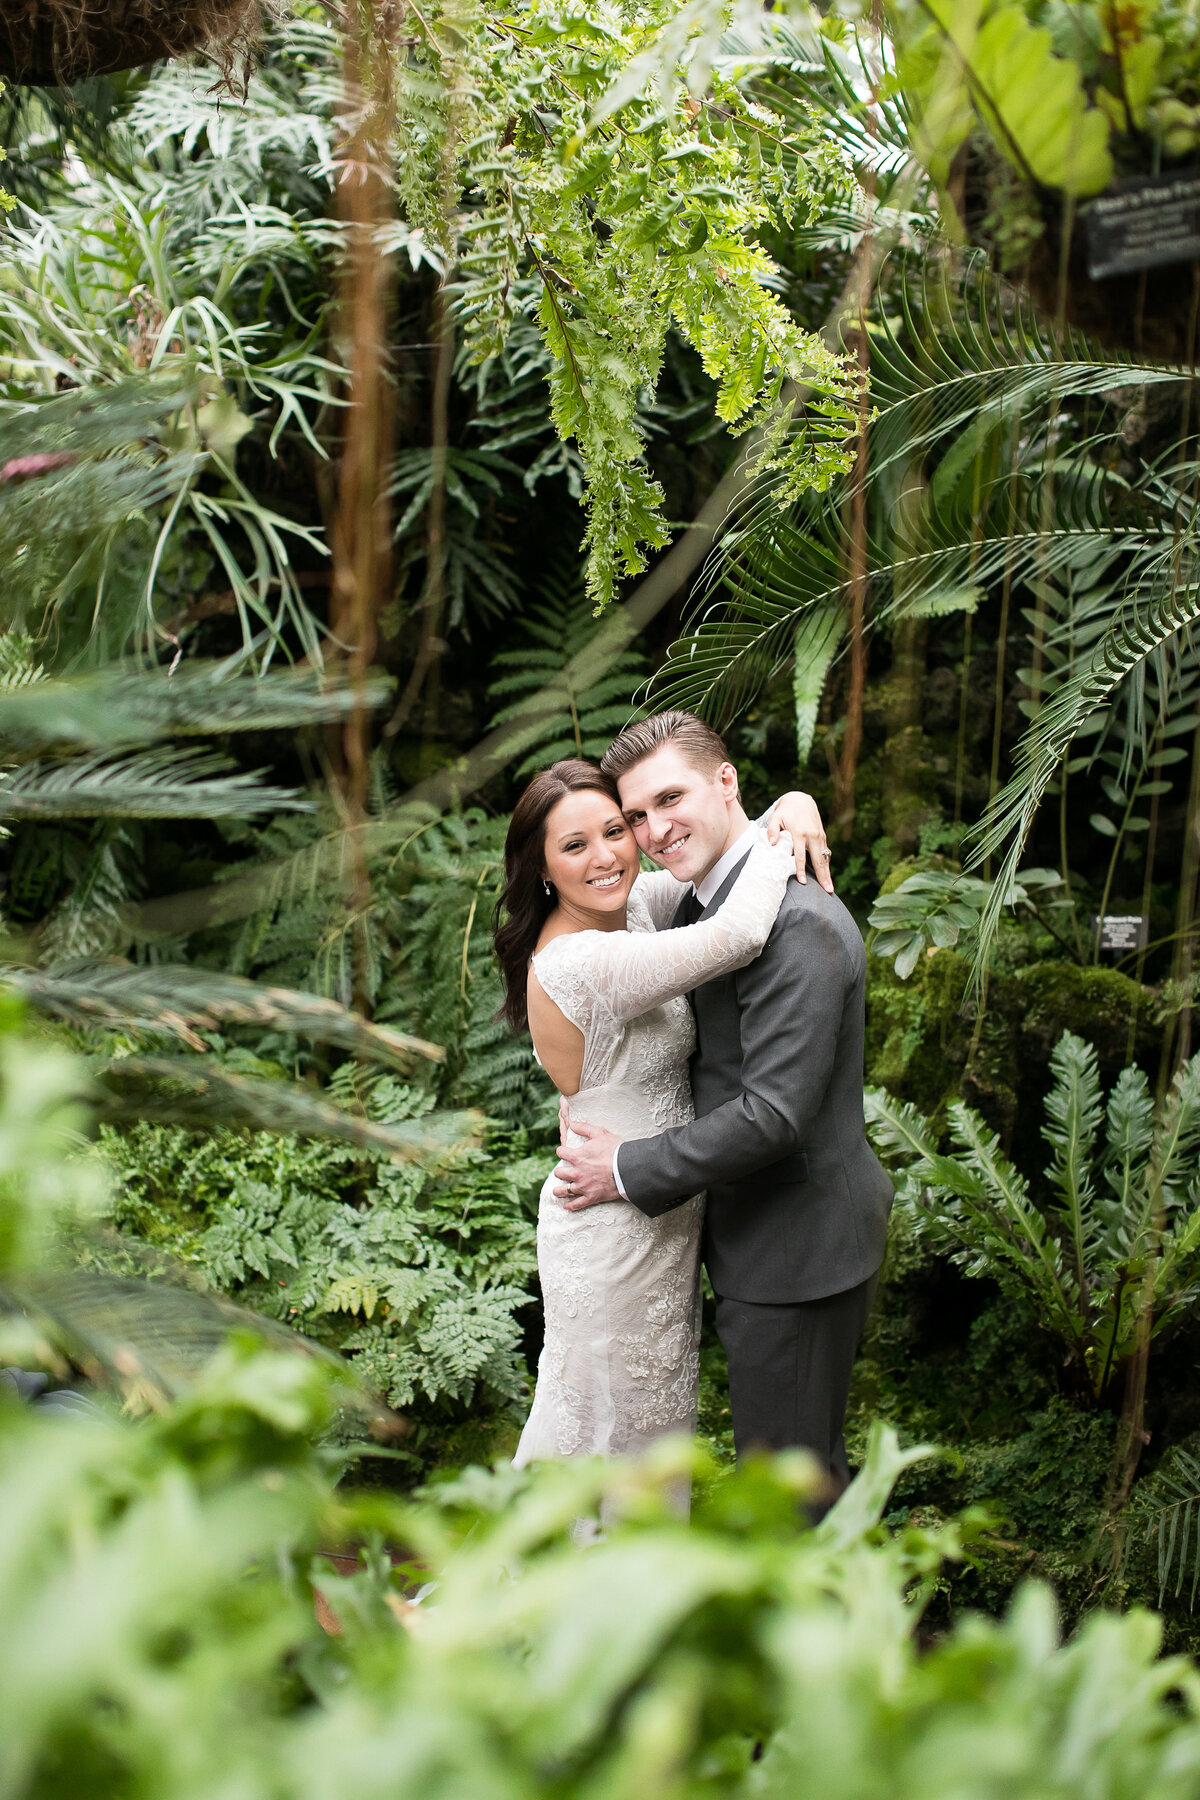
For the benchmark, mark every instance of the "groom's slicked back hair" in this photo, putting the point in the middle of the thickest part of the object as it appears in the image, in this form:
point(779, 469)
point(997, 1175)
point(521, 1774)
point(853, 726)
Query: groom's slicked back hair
point(697, 742)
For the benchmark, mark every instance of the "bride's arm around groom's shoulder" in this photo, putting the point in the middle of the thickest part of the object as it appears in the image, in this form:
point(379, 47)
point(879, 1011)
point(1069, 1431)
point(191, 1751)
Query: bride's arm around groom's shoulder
point(621, 974)
point(660, 894)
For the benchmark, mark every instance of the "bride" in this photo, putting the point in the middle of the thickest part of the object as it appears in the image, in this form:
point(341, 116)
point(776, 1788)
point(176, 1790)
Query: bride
point(601, 985)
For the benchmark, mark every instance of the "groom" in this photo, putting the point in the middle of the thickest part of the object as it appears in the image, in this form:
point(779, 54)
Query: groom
point(797, 1201)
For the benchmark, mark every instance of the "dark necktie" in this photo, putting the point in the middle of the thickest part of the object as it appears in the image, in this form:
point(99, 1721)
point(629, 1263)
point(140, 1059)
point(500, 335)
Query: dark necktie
point(695, 906)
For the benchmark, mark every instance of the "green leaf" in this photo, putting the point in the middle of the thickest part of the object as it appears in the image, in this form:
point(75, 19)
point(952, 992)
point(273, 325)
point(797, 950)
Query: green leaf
point(818, 634)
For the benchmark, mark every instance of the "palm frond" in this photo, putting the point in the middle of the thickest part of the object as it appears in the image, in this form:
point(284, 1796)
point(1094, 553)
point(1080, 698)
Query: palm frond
point(199, 1091)
point(1166, 1511)
point(120, 706)
point(956, 359)
point(182, 1001)
point(159, 784)
point(1140, 628)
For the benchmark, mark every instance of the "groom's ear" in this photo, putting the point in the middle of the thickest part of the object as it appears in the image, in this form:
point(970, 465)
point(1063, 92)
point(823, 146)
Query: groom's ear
point(727, 780)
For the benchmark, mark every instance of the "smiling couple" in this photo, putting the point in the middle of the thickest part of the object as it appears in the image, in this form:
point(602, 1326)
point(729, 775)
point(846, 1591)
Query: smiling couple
point(705, 1027)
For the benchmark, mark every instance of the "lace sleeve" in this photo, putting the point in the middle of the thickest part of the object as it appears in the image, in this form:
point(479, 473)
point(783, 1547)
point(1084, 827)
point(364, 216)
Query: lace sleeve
point(623, 973)
point(660, 894)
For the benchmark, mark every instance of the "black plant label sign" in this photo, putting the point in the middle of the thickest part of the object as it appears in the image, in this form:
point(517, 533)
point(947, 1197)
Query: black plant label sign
point(1123, 931)
point(1144, 223)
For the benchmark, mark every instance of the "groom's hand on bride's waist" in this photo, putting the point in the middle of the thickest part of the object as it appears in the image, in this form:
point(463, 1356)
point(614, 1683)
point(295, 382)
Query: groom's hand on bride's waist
point(585, 1170)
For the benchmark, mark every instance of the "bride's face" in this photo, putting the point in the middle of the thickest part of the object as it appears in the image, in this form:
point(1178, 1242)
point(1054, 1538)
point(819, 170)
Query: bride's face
point(591, 858)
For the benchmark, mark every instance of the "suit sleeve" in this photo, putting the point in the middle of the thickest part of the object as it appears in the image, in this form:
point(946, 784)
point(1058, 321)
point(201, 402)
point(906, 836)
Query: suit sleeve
point(791, 1000)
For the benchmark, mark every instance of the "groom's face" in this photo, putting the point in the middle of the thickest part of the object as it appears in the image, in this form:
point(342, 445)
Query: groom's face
point(679, 815)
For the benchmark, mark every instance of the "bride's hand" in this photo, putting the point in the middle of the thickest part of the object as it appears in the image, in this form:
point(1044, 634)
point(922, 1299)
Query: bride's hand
point(798, 814)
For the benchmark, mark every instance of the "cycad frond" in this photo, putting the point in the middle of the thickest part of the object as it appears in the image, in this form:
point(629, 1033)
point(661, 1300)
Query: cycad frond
point(1074, 1111)
point(122, 706)
point(181, 1001)
point(1103, 1270)
point(160, 784)
point(199, 1091)
point(956, 359)
point(152, 1339)
point(1167, 1512)
point(1130, 1136)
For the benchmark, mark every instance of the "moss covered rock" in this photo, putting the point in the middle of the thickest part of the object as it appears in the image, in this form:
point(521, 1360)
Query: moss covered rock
point(927, 1043)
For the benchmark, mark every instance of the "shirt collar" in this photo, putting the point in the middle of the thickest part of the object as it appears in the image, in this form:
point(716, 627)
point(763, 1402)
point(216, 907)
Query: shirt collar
point(706, 888)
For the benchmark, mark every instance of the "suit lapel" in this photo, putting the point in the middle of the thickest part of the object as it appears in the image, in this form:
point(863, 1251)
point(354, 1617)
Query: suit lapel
point(681, 914)
point(722, 893)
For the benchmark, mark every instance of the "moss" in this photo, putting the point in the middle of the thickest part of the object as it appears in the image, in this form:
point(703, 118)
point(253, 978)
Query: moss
point(1102, 1005)
point(927, 1044)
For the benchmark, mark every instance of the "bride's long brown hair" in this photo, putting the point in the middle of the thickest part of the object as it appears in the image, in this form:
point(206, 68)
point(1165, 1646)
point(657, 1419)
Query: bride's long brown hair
point(524, 898)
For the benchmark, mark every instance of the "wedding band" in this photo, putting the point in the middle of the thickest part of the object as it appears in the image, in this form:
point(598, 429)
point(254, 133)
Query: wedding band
point(827, 854)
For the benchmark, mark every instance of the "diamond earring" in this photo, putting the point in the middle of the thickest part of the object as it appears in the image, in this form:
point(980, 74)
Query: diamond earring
point(545, 884)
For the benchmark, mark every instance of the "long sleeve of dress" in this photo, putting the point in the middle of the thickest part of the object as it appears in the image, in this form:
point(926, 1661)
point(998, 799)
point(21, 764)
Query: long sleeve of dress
point(619, 974)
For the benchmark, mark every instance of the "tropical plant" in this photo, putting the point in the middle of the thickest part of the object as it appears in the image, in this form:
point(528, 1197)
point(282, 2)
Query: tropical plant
point(941, 908)
point(90, 750)
point(632, 178)
point(1166, 1513)
point(447, 884)
point(137, 1341)
point(415, 1271)
point(1058, 100)
point(957, 359)
point(1105, 1254)
point(200, 276)
point(161, 1583)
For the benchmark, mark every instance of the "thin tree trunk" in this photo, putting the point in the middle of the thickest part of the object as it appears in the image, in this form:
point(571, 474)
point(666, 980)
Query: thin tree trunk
point(846, 768)
point(361, 539)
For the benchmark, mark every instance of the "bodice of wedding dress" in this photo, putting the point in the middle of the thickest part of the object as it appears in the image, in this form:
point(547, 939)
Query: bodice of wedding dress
point(621, 1290)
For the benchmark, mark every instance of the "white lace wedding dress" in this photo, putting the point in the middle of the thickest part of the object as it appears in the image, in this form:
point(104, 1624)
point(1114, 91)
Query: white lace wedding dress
point(621, 1291)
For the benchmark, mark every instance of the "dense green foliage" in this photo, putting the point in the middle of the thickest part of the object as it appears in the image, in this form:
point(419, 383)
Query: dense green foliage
point(415, 1273)
point(651, 224)
point(534, 1667)
point(1106, 1257)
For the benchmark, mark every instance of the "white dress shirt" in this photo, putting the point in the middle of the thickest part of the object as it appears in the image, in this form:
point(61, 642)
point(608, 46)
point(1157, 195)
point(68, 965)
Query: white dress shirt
point(704, 890)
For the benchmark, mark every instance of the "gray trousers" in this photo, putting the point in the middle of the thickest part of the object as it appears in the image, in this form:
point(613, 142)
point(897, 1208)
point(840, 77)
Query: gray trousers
point(789, 1372)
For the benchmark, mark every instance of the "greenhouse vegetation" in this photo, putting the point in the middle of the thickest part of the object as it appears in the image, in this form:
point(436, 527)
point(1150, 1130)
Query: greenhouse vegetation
point(383, 414)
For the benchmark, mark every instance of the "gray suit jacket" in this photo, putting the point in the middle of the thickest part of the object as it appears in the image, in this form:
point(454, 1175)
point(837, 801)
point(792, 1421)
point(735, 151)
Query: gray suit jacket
point(797, 1200)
